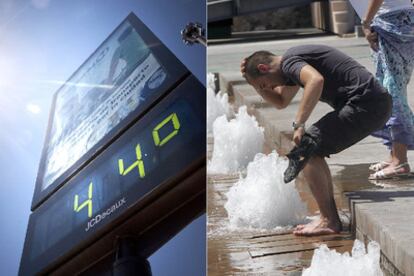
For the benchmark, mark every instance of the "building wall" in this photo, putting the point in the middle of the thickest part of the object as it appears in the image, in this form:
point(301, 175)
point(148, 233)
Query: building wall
point(284, 18)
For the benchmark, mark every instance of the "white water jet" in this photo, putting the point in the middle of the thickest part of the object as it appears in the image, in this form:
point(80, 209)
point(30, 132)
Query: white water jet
point(261, 199)
point(327, 262)
point(217, 105)
point(236, 142)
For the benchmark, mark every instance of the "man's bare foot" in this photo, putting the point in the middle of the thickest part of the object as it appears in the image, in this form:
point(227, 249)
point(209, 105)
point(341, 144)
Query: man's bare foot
point(301, 226)
point(318, 227)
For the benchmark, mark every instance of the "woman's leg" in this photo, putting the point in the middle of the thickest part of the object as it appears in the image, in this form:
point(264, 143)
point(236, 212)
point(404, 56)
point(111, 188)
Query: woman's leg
point(399, 155)
point(398, 164)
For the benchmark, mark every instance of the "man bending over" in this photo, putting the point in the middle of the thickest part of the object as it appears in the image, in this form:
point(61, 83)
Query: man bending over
point(361, 105)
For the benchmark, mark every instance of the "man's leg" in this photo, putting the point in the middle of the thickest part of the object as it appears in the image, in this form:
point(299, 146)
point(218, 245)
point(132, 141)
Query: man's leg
point(337, 131)
point(319, 179)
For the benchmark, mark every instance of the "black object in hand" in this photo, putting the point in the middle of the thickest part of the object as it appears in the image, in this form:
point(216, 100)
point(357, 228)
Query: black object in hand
point(298, 157)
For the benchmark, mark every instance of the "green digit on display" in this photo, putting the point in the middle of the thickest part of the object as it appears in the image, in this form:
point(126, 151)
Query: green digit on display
point(139, 164)
point(87, 202)
point(176, 124)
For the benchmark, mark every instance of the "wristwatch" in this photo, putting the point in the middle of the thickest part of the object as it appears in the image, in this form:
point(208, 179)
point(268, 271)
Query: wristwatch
point(365, 23)
point(296, 125)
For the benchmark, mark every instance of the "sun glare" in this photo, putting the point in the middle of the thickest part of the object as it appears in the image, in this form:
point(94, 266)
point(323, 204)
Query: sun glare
point(33, 108)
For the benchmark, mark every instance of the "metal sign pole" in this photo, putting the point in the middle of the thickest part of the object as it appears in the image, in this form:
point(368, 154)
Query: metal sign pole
point(128, 262)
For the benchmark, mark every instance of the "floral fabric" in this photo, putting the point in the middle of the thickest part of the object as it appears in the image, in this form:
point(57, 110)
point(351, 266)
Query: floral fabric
point(394, 66)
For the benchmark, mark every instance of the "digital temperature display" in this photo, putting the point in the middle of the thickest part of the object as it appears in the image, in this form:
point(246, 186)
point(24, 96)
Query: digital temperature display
point(119, 82)
point(126, 133)
point(158, 148)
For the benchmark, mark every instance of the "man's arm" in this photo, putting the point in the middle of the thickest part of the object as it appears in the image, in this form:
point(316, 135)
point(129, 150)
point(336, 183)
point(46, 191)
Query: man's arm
point(280, 96)
point(312, 81)
point(313, 86)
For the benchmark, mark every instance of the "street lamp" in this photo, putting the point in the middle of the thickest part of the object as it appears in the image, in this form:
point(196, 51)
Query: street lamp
point(193, 33)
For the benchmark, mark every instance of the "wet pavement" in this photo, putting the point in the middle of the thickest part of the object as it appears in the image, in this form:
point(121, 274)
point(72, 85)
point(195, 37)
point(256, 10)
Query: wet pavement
point(382, 209)
point(278, 251)
point(260, 252)
point(254, 252)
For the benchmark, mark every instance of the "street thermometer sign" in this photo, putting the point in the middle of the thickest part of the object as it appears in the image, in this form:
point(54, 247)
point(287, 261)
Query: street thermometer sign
point(124, 155)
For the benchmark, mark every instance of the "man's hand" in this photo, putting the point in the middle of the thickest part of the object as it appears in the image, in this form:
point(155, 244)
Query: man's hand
point(297, 135)
point(243, 68)
point(372, 38)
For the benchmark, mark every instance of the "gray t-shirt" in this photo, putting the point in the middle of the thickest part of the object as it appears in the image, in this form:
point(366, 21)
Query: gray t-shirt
point(343, 76)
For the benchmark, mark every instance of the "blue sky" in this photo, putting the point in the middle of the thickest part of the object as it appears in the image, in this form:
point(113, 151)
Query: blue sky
point(48, 40)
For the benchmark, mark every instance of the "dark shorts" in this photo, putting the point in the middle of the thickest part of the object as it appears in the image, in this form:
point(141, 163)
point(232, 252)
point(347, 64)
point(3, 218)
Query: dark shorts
point(348, 124)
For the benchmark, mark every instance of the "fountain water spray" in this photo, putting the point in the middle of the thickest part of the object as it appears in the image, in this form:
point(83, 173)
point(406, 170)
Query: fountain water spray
point(261, 200)
point(329, 262)
point(236, 142)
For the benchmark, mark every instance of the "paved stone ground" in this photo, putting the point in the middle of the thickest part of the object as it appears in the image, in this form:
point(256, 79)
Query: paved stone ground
point(249, 252)
point(380, 209)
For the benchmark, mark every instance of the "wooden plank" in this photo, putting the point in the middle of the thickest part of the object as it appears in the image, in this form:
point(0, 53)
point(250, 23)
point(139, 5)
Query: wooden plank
point(284, 243)
point(297, 248)
point(223, 178)
point(301, 239)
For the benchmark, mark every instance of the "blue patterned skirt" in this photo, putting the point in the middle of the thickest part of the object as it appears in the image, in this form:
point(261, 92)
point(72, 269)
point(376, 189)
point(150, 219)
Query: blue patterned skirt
point(394, 65)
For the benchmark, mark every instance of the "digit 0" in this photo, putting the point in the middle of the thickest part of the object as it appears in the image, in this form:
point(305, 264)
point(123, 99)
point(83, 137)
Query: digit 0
point(87, 202)
point(176, 124)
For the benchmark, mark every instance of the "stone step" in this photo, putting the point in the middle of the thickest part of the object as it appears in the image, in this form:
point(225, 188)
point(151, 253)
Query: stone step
point(343, 28)
point(337, 6)
point(228, 79)
point(247, 96)
point(341, 17)
point(387, 217)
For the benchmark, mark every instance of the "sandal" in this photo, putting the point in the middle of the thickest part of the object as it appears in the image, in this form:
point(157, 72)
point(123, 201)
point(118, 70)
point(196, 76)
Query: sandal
point(396, 172)
point(379, 166)
point(298, 157)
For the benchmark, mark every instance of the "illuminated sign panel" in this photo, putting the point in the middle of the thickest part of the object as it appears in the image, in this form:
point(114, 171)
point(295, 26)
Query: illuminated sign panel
point(162, 145)
point(120, 80)
point(125, 129)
